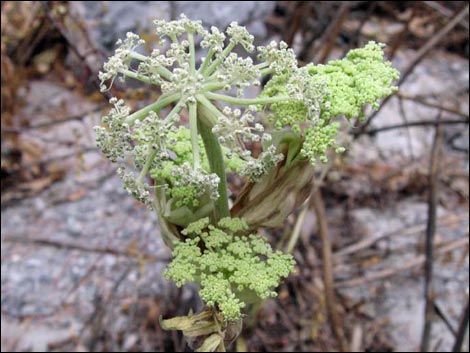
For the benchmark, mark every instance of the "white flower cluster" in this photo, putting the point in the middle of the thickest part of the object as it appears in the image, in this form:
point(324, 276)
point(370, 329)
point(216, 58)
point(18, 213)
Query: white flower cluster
point(255, 169)
point(185, 82)
point(151, 134)
point(174, 69)
point(114, 139)
point(234, 129)
point(238, 72)
point(214, 39)
point(150, 66)
point(173, 29)
point(120, 60)
point(240, 35)
point(281, 60)
point(307, 90)
point(197, 180)
point(136, 188)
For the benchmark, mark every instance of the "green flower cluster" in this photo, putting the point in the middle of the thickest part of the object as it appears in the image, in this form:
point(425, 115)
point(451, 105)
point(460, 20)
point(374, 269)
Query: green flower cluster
point(343, 88)
point(232, 268)
point(287, 113)
point(362, 77)
point(318, 139)
point(184, 187)
point(175, 172)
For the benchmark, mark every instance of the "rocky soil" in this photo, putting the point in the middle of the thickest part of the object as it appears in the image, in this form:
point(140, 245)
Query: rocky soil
point(83, 241)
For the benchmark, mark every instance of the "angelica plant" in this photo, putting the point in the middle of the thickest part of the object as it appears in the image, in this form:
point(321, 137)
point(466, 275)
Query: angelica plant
point(180, 170)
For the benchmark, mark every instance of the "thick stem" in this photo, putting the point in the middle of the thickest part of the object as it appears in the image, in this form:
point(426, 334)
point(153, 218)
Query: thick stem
point(137, 56)
point(159, 104)
point(193, 129)
point(216, 162)
point(246, 101)
point(209, 119)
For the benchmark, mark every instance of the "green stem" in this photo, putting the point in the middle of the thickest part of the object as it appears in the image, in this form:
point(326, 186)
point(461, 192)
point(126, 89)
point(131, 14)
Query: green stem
point(162, 71)
point(266, 71)
point(192, 55)
point(161, 102)
point(147, 166)
point(216, 162)
point(137, 76)
point(209, 119)
point(173, 38)
point(176, 109)
point(207, 60)
point(213, 86)
point(219, 59)
point(193, 129)
point(261, 65)
point(137, 56)
point(246, 101)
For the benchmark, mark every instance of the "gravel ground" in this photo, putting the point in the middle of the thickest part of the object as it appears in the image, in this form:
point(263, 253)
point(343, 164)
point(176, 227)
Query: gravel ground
point(58, 256)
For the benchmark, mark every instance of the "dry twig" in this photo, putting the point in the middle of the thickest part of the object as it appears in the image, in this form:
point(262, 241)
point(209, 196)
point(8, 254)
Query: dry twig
point(462, 331)
point(372, 132)
point(420, 54)
point(327, 259)
point(389, 272)
point(423, 101)
point(370, 241)
point(430, 233)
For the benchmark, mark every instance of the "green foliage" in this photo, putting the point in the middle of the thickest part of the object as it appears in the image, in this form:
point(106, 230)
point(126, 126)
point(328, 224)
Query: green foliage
point(231, 268)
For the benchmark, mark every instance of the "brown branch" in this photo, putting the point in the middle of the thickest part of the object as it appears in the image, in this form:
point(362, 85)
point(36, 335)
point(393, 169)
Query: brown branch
point(445, 319)
point(372, 132)
point(365, 17)
point(333, 31)
point(462, 331)
point(397, 41)
point(444, 11)
point(389, 272)
point(419, 56)
point(422, 101)
point(96, 319)
point(327, 260)
point(430, 234)
point(406, 121)
point(295, 21)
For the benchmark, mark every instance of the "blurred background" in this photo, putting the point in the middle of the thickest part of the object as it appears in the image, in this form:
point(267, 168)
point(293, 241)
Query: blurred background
point(81, 261)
